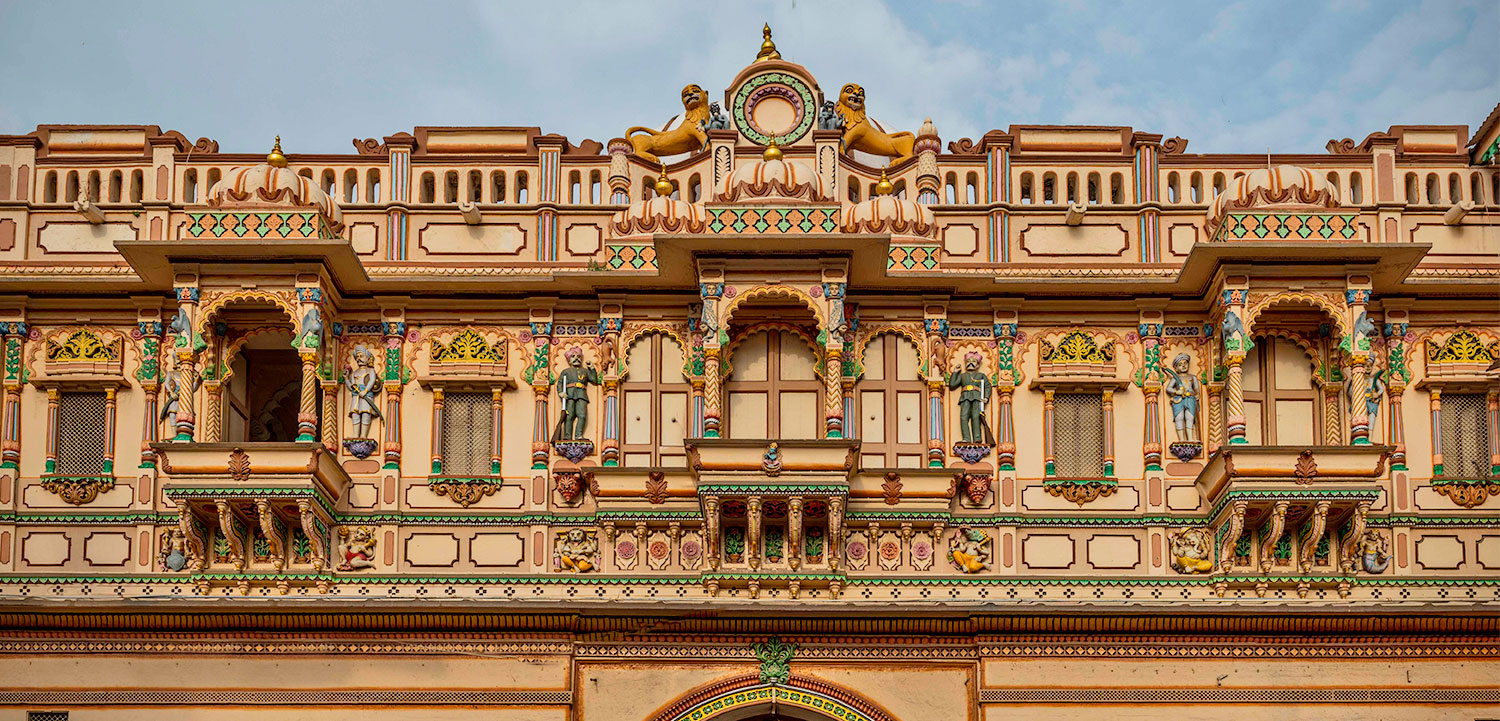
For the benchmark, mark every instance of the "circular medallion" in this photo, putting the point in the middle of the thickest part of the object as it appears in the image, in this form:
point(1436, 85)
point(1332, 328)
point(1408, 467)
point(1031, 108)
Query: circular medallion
point(774, 107)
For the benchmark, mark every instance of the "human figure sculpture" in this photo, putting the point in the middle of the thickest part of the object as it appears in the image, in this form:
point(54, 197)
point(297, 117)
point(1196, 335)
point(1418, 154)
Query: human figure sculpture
point(1373, 390)
point(173, 386)
point(1374, 551)
point(357, 545)
point(572, 388)
point(577, 551)
point(364, 387)
point(974, 396)
point(1182, 389)
point(1192, 550)
point(970, 550)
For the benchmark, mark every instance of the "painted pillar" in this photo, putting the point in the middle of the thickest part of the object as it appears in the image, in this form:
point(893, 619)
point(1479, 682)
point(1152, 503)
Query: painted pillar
point(711, 530)
point(393, 328)
point(1235, 331)
point(1435, 404)
point(753, 532)
point(497, 416)
point(611, 323)
point(396, 225)
point(1398, 376)
point(437, 430)
point(1109, 432)
point(549, 193)
point(1049, 459)
point(52, 397)
point(935, 324)
point(110, 412)
point(14, 337)
point(148, 375)
point(794, 532)
point(1356, 298)
point(997, 190)
point(833, 352)
point(1147, 182)
point(710, 290)
point(187, 345)
point(1150, 379)
point(539, 375)
point(211, 430)
point(1007, 376)
point(309, 345)
point(926, 148)
point(619, 172)
point(835, 532)
point(1492, 420)
point(330, 414)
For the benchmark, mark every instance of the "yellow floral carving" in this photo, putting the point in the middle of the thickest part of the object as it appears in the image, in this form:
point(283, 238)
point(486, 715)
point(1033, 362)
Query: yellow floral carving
point(1078, 347)
point(466, 347)
point(82, 346)
point(1462, 347)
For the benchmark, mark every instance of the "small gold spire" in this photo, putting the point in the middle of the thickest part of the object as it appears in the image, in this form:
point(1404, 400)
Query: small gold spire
point(663, 186)
point(884, 187)
point(274, 158)
point(767, 48)
point(772, 152)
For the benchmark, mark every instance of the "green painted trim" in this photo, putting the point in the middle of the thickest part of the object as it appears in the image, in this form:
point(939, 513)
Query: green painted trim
point(253, 491)
point(773, 488)
point(646, 515)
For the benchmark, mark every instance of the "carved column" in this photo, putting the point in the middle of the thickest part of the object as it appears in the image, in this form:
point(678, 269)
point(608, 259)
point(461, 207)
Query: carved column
point(1234, 399)
point(1358, 350)
point(1435, 403)
point(10, 419)
point(753, 532)
point(610, 325)
point(1049, 459)
point(307, 409)
point(437, 430)
point(1007, 375)
point(1109, 431)
point(1274, 530)
point(935, 325)
point(835, 532)
point(110, 408)
point(833, 396)
point(1492, 420)
point(52, 397)
point(927, 147)
point(214, 366)
point(794, 532)
point(619, 172)
point(1333, 428)
point(1150, 331)
point(331, 412)
point(186, 368)
point(1397, 376)
point(1234, 330)
point(710, 291)
point(393, 379)
point(539, 375)
point(711, 531)
point(497, 416)
point(149, 376)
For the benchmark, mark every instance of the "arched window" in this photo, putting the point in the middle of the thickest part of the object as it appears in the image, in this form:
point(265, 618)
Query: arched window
point(1282, 407)
point(329, 180)
point(1333, 182)
point(372, 186)
point(899, 190)
point(189, 186)
point(772, 389)
point(1455, 188)
point(1476, 188)
point(93, 186)
point(450, 186)
point(1197, 187)
point(522, 190)
point(1218, 184)
point(695, 188)
point(351, 186)
point(476, 186)
point(214, 175)
point(429, 189)
point(497, 186)
point(116, 179)
point(49, 189)
point(1027, 197)
point(1117, 189)
point(973, 183)
point(1072, 188)
point(1412, 198)
point(575, 187)
point(888, 405)
point(1049, 188)
point(1172, 191)
point(655, 418)
point(1356, 188)
point(1094, 189)
point(596, 188)
point(1432, 189)
point(1495, 188)
point(137, 185)
point(853, 190)
point(950, 189)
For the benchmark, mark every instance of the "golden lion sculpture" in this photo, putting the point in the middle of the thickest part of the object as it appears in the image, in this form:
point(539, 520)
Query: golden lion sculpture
point(862, 135)
point(685, 138)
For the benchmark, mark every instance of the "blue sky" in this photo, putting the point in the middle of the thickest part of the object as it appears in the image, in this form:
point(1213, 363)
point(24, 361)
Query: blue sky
point(1239, 76)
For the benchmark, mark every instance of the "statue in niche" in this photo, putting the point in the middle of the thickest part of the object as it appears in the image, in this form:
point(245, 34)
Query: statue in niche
point(974, 397)
point(1182, 388)
point(1192, 550)
point(970, 550)
point(572, 388)
point(577, 550)
point(1374, 552)
point(357, 545)
point(364, 401)
point(176, 382)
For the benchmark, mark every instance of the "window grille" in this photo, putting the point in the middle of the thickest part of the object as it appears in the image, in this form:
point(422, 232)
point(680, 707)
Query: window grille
point(467, 436)
point(80, 434)
point(1466, 438)
point(46, 716)
point(1078, 434)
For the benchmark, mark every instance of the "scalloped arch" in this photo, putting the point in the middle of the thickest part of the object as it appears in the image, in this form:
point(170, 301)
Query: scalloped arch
point(233, 348)
point(214, 305)
point(633, 334)
point(798, 331)
point(1333, 310)
point(708, 701)
point(726, 314)
point(911, 333)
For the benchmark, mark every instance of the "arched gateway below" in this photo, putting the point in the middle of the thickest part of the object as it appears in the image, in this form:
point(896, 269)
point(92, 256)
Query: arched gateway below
point(747, 698)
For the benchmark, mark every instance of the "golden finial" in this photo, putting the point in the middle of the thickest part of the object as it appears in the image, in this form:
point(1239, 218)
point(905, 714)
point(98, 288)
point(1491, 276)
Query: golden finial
point(884, 187)
point(767, 48)
point(274, 158)
point(772, 152)
point(663, 186)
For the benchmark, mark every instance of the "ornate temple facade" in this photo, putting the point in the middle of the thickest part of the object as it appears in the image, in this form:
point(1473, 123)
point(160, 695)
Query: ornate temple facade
point(768, 412)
